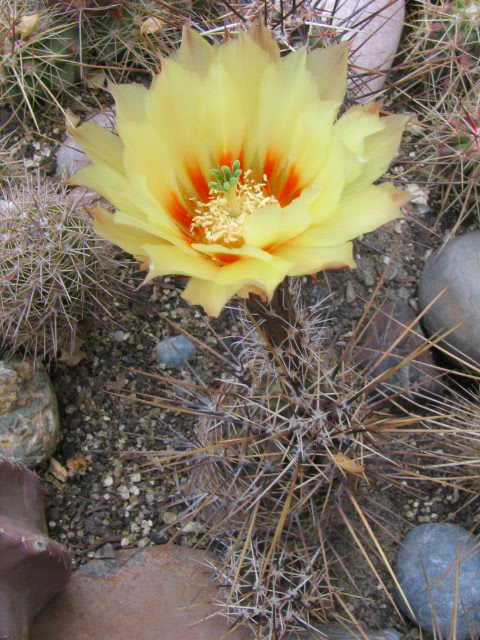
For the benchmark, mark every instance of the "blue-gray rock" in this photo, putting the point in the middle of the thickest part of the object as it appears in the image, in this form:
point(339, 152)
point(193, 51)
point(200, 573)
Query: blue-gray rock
point(436, 546)
point(336, 632)
point(456, 266)
point(29, 421)
point(173, 351)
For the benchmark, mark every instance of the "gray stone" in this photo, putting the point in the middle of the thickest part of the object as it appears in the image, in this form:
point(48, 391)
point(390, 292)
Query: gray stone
point(438, 546)
point(173, 351)
point(119, 336)
point(29, 421)
point(456, 266)
point(383, 634)
point(416, 377)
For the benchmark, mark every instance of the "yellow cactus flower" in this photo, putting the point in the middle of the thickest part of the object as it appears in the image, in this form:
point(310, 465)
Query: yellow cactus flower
point(233, 169)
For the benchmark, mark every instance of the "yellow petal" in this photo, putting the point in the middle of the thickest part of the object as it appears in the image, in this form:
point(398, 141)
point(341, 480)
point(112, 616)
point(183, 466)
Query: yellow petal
point(262, 36)
point(272, 225)
point(379, 150)
point(129, 238)
point(100, 145)
point(354, 126)
point(127, 195)
point(329, 68)
point(195, 53)
point(220, 114)
point(254, 272)
point(357, 213)
point(147, 155)
point(102, 179)
point(172, 111)
point(245, 60)
point(330, 184)
point(158, 232)
point(310, 260)
point(279, 108)
point(129, 103)
point(246, 251)
point(208, 295)
point(310, 139)
point(167, 259)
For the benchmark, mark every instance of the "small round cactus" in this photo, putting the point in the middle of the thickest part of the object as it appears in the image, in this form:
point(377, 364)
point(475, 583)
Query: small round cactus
point(39, 53)
point(54, 271)
point(125, 36)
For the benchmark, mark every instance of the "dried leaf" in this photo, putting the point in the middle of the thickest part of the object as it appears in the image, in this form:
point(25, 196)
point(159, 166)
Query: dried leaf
point(348, 465)
point(74, 356)
point(27, 24)
point(96, 80)
point(71, 119)
point(151, 25)
point(76, 467)
point(57, 470)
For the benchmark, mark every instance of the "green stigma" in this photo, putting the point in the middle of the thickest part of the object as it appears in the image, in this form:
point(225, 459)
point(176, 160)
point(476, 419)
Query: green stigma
point(226, 178)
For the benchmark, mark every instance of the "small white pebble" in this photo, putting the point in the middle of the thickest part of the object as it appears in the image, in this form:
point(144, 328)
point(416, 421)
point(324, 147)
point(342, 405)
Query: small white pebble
point(108, 481)
point(124, 492)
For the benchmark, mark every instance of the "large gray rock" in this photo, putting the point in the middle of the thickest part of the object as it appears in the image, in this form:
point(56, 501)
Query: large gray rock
point(456, 267)
point(29, 421)
point(417, 378)
point(438, 547)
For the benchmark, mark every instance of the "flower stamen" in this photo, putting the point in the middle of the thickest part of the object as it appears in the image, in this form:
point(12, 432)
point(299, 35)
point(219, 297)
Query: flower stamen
point(219, 222)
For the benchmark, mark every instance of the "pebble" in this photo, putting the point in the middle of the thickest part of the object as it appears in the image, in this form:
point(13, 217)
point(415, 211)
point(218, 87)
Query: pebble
point(29, 420)
point(456, 266)
point(418, 376)
point(155, 592)
point(172, 352)
point(119, 336)
point(350, 294)
point(436, 546)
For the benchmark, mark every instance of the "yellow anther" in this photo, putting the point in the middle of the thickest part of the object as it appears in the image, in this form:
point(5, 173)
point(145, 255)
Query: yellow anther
point(222, 225)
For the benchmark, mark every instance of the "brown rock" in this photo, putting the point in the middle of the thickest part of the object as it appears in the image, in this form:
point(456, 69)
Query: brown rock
point(160, 592)
point(32, 567)
point(417, 378)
